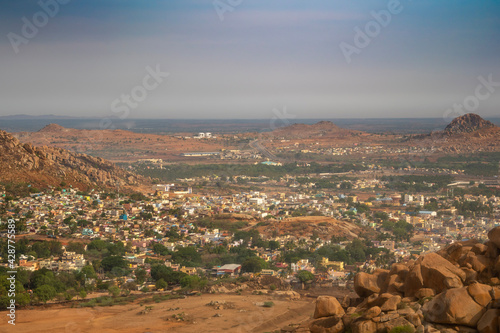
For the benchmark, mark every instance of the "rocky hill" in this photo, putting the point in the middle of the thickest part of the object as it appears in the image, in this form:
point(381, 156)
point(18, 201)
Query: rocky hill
point(43, 166)
point(320, 129)
point(465, 134)
point(454, 290)
point(467, 123)
point(324, 227)
point(53, 128)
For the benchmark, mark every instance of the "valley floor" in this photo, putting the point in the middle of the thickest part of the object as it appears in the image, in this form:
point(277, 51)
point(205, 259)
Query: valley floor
point(243, 313)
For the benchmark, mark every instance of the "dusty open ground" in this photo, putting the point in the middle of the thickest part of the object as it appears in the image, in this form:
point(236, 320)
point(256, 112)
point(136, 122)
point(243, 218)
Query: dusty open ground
point(244, 315)
point(325, 227)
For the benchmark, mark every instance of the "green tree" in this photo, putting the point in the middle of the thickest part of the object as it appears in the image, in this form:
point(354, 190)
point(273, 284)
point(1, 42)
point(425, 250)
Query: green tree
point(192, 282)
point(274, 245)
point(160, 271)
point(89, 272)
point(161, 284)
point(114, 291)
point(76, 247)
point(98, 245)
point(160, 249)
point(45, 293)
point(305, 276)
point(140, 275)
point(253, 265)
point(22, 298)
point(187, 256)
point(172, 234)
point(110, 262)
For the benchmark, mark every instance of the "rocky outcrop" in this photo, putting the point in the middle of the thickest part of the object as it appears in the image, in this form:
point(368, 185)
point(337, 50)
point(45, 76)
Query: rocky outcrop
point(489, 322)
point(48, 166)
point(465, 134)
point(327, 325)
point(327, 306)
point(494, 236)
point(467, 123)
point(454, 306)
point(439, 274)
point(368, 284)
point(53, 128)
point(454, 290)
point(320, 129)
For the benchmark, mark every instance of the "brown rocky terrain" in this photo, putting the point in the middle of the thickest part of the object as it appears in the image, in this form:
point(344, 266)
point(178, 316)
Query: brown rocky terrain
point(324, 227)
point(454, 290)
point(120, 145)
point(466, 124)
point(233, 307)
point(325, 129)
point(43, 166)
point(467, 133)
point(206, 313)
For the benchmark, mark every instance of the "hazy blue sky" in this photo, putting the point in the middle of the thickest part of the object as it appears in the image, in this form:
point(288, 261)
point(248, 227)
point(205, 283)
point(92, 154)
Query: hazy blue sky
point(264, 54)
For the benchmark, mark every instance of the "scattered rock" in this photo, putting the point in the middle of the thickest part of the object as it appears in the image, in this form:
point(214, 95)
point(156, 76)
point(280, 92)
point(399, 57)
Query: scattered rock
point(489, 322)
point(439, 274)
point(454, 306)
point(367, 284)
point(396, 322)
point(372, 312)
point(425, 292)
point(327, 306)
point(494, 236)
point(364, 326)
point(287, 294)
point(389, 302)
point(332, 324)
point(480, 293)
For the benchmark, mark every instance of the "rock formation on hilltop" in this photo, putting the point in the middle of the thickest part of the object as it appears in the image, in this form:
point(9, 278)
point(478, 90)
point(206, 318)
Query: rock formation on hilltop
point(454, 290)
point(465, 134)
point(43, 166)
point(467, 123)
point(52, 128)
point(320, 129)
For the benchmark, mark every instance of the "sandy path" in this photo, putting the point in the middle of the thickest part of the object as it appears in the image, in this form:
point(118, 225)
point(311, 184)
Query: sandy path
point(244, 316)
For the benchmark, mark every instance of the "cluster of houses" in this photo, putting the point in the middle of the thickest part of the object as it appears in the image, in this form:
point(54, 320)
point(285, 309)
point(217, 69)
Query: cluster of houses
point(86, 216)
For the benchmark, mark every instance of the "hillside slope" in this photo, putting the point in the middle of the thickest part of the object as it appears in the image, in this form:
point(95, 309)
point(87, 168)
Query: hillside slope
point(320, 129)
point(44, 166)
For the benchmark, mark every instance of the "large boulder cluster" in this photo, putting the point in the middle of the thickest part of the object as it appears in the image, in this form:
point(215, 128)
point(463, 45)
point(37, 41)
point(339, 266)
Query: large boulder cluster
point(454, 290)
